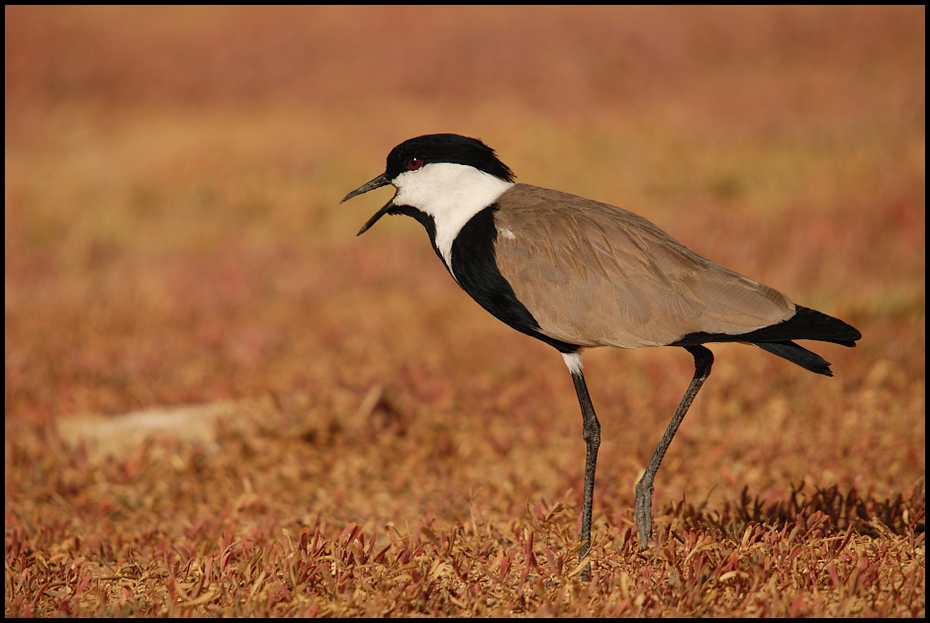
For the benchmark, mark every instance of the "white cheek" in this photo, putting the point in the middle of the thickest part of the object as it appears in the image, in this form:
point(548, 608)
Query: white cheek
point(450, 193)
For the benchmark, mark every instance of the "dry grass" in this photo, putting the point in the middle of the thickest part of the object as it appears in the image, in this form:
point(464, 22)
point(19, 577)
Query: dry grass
point(173, 238)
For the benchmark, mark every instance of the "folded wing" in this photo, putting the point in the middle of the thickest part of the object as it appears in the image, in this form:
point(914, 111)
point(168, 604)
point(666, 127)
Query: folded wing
point(596, 275)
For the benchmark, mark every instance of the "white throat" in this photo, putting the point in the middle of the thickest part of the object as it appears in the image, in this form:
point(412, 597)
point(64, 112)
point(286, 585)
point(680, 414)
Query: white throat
point(450, 193)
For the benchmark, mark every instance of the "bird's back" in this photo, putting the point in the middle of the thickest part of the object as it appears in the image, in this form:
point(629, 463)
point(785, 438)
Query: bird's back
point(593, 274)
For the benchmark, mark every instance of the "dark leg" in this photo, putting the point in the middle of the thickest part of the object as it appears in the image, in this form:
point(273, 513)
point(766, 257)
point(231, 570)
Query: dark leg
point(703, 360)
point(592, 439)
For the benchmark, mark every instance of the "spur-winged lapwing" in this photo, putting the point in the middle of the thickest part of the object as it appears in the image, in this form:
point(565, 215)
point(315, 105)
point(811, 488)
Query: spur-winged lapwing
point(577, 273)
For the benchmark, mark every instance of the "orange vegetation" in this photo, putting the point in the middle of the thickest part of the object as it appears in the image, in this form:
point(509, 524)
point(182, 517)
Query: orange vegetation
point(173, 238)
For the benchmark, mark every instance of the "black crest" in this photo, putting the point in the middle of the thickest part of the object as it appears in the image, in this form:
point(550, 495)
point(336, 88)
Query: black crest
point(451, 148)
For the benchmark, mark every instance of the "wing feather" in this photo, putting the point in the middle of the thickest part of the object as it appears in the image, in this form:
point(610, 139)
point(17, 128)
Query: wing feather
point(597, 275)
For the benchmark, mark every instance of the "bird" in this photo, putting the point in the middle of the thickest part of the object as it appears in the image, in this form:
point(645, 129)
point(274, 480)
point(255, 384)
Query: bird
point(577, 273)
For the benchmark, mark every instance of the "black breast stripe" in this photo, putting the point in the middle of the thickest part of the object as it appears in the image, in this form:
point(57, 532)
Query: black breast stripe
point(423, 219)
point(474, 265)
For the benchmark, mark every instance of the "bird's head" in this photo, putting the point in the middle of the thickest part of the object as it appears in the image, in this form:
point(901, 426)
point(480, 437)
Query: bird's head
point(439, 175)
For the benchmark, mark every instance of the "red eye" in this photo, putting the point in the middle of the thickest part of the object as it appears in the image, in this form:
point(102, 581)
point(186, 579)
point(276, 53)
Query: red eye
point(414, 163)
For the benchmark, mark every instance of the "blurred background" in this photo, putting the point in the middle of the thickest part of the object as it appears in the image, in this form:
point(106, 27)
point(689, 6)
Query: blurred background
point(173, 233)
point(173, 236)
point(172, 227)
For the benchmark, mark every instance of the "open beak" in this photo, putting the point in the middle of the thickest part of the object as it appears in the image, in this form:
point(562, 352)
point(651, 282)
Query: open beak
point(378, 182)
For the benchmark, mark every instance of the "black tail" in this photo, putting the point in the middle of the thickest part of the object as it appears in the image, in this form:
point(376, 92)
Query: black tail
point(806, 324)
point(799, 355)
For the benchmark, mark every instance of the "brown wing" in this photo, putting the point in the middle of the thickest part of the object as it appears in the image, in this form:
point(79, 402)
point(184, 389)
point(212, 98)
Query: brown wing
point(596, 275)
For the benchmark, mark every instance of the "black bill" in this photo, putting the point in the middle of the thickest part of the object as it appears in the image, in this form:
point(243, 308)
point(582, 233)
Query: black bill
point(378, 182)
point(374, 217)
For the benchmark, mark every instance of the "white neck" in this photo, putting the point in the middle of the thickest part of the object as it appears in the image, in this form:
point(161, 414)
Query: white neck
point(450, 193)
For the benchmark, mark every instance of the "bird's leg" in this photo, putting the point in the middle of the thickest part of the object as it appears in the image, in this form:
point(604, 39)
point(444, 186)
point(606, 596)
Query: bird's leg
point(703, 360)
point(592, 439)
